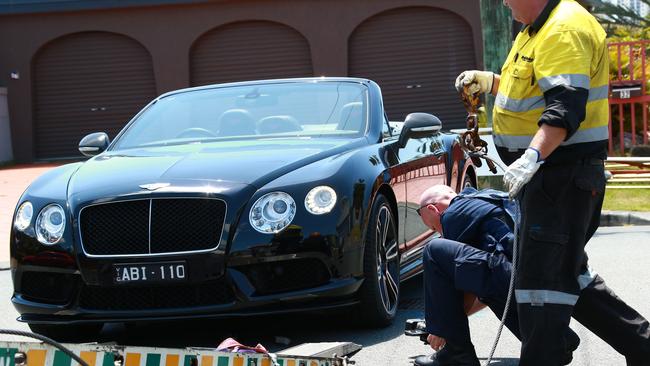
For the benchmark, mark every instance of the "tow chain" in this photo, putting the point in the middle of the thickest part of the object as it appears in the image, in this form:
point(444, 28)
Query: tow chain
point(477, 149)
point(470, 140)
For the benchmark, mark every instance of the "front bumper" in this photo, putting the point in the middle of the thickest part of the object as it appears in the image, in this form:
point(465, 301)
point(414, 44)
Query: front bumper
point(250, 273)
point(236, 298)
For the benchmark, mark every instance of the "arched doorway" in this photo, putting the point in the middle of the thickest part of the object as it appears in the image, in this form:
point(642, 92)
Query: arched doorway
point(415, 55)
point(87, 82)
point(249, 50)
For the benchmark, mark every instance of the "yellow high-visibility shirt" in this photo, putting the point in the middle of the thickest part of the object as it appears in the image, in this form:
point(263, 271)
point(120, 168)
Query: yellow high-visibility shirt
point(568, 50)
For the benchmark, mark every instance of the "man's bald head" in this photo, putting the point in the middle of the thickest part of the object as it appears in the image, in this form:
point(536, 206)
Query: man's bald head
point(440, 194)
point(433, 202)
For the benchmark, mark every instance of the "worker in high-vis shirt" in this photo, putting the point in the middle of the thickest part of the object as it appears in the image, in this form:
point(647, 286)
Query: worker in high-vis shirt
point(550, 125)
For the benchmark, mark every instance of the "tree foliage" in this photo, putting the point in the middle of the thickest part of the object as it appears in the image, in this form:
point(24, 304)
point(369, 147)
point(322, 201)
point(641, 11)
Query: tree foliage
point(626, 61)
point(624, 25)
point(629, 53)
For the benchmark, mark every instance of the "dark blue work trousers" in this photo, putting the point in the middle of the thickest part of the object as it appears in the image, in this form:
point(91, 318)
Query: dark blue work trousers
point(452, 268)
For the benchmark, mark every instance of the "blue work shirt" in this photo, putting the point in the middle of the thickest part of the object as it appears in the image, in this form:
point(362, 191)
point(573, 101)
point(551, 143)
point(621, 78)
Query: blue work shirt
point(479, 222)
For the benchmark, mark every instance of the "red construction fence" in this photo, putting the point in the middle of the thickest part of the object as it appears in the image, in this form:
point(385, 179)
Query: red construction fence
point(629, 96)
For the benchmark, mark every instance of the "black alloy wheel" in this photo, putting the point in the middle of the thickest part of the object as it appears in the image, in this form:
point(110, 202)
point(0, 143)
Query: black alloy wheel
point(380, 290)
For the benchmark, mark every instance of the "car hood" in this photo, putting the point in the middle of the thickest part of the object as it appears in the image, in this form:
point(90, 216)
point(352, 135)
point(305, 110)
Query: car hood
point(214, 167)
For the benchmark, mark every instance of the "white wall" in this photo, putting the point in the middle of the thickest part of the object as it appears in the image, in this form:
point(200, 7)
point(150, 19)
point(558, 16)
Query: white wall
point(5, 132)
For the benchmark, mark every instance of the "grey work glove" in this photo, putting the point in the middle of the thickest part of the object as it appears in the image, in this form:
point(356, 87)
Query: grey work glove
point(521, 171)
point(478, 81)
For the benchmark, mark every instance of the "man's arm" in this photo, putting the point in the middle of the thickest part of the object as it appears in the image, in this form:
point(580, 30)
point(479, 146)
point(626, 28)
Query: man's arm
point(496, 234)
point(565, 110)
point(547, 139)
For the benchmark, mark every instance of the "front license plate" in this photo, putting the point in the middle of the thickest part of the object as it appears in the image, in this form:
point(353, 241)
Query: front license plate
point(149, 272)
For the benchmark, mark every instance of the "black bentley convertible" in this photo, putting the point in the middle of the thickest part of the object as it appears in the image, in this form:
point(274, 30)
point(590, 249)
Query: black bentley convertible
point(244, 198)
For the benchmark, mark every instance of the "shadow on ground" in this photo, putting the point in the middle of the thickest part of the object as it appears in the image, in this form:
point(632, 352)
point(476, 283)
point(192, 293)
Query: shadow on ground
point(274, 332)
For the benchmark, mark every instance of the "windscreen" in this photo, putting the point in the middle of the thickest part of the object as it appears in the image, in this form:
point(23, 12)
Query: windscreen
point(261, 111)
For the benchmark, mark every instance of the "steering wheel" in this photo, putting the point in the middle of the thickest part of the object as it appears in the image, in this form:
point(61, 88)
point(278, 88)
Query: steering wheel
point(195, 132)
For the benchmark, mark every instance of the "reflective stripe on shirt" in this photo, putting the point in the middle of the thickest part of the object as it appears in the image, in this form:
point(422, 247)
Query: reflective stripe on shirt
point(598, 93)
point(574, 80)
point(519, 105)
point(529, 104)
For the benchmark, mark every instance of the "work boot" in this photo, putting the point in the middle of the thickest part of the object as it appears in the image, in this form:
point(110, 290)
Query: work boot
point(450, 355)
point(572, 343)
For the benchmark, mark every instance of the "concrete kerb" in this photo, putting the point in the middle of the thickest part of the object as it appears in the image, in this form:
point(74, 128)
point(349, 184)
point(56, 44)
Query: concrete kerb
point(622, 218)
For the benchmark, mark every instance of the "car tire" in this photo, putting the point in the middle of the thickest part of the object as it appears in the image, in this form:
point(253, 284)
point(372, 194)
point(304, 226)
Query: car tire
point(68, 332)
point(379, 294)
point(468, 182)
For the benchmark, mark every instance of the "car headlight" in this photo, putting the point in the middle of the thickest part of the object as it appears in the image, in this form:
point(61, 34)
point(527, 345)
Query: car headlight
point(24, 216)
point(272, 212)
point(50, 224)
point(320, 200)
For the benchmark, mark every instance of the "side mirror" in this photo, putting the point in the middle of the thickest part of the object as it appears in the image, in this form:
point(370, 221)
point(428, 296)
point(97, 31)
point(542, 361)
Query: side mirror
point(94, 144)
point(418, 125)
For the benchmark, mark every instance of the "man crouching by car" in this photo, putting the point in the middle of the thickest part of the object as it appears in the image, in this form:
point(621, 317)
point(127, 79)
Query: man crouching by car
point(467, 270)
point(472, 265)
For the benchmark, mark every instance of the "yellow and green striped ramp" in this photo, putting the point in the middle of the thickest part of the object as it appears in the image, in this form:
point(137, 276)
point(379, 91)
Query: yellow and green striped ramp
point(39, 354)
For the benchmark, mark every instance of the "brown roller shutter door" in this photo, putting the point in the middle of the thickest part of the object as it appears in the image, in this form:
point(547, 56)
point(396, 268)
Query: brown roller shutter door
point(415, 55)
point(249, 51)
point(87, 82)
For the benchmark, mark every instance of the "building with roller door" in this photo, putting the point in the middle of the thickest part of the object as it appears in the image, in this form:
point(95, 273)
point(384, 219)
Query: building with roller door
point(73, 67)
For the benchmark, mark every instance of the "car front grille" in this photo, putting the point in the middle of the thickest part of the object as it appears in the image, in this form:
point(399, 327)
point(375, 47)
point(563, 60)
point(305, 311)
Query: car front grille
point(152, 226)
point(48, 287)
point(283, 276)
point(158, 297)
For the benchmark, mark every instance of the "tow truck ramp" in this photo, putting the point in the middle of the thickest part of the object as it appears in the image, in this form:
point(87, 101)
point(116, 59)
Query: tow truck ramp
point(41, 354)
